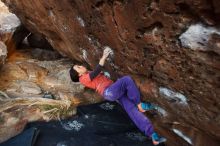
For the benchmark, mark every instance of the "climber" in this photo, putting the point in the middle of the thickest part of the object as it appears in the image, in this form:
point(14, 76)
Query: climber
point(124, 91)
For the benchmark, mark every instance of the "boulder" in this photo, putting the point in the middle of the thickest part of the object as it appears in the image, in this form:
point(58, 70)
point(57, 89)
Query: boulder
point(12, 32)
point(30, 109)
point(144, 37)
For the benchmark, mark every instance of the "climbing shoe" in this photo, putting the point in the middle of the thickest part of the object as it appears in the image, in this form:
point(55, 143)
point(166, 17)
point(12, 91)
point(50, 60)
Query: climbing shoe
point(147, 106)
point(156, 139)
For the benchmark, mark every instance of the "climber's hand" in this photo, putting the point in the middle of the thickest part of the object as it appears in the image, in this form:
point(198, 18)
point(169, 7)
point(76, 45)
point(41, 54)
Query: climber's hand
point(106, 52)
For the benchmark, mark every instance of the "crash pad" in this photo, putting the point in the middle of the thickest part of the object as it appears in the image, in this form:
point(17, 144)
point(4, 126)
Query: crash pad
point(27, 138)
point(101, 124)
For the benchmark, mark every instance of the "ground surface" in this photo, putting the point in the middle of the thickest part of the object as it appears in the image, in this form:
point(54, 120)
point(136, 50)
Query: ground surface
point(102, 124)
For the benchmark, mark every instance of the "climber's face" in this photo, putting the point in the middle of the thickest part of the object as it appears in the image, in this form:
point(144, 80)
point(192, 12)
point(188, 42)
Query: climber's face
point(80, 69)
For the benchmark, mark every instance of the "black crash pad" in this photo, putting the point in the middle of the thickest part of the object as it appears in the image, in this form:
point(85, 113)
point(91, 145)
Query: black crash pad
point(26, 138)
point(102, 124)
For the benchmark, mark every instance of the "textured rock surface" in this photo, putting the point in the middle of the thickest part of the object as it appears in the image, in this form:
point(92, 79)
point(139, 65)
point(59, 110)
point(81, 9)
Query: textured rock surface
point(11, 31)
point(38, 41)
point(144, 36)
point(25, 81)
point(3, 53)
point(15, 114)
point(23, 76)
point(198, 36)
point(8, 21)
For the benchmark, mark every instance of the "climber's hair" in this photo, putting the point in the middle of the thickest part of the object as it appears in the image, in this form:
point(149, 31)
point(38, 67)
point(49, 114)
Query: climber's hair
point(74, 75)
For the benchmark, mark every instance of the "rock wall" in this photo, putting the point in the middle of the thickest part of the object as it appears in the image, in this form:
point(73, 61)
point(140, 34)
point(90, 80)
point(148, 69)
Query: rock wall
point(37, 90)
point(152, 40)
point(12, 32)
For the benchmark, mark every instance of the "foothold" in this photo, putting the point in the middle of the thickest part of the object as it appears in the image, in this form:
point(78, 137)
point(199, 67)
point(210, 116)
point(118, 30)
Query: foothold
point(171, 95)
point(180, 134)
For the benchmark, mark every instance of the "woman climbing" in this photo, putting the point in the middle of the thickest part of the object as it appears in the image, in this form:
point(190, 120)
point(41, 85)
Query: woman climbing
point(124, 91)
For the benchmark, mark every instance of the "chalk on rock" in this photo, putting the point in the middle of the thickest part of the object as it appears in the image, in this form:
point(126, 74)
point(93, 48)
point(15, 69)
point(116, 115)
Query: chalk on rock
point(72, 125)
point(161, 111)
point(81, 21)
point(180, 134)
point(171, 95)
point(197, 37)
point(107, 106)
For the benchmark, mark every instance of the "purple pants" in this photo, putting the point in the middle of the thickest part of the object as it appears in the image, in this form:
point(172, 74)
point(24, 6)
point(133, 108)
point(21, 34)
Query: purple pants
point(125, 91)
